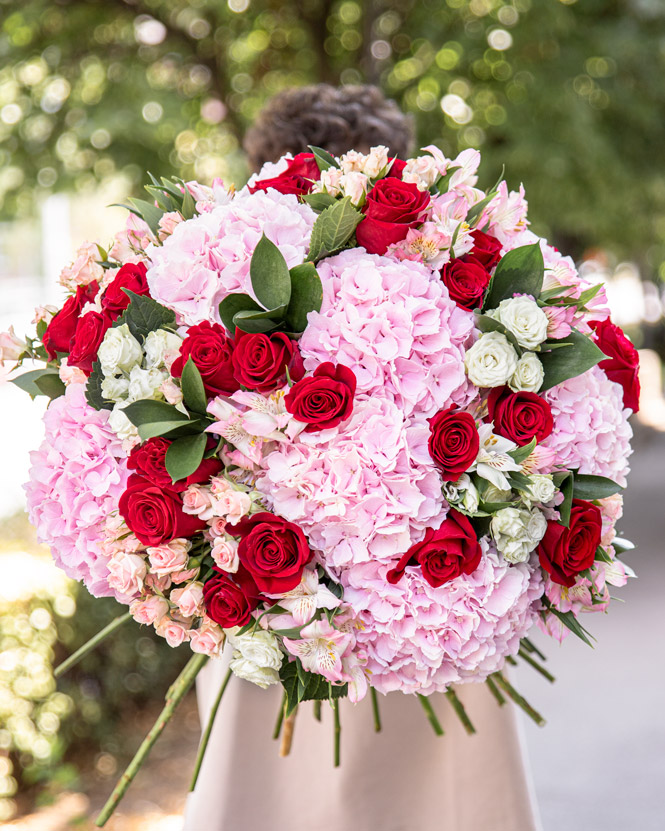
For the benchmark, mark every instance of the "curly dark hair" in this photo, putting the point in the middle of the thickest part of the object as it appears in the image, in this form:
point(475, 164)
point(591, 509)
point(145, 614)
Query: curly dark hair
point(335, 118)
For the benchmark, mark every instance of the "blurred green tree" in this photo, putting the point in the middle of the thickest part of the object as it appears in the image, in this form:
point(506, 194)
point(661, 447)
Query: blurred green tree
point(568, 95)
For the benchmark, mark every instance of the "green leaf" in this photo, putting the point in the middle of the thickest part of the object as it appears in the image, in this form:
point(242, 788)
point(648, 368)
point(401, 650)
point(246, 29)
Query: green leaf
point(254, 322)
point(602, 555)
point(561, 364)
point(323, 158)
point(519, 480)
point(520, 271)
point(333, 229)
point(163, 200)
point(145, 315)
point(522, 453)
point(174, 429)
point(269, 274)
point(150, 213)
point(319, 201)
point(148, 411)
point(571, 622)
point(188, 206)
point(300, 685)
point(594, 487)
point(185, 455)
point(234, 303)
point(306, 296)
point(488, 324)
point(567, 489)
point(40, 382)
point(93, 391)
point(193, 390)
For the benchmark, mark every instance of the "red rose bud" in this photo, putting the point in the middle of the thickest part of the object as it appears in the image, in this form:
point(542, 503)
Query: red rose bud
point(260, 361)
point(60, 331)
point(274, 551)
point(397, 168)
point(519, 416)
point(623, 362)
point(392, 207)
point(444, 554)
point(211, 350)
point(323, 400)
point(90, 331)
point(566, 552)
point(301, 173)
point(466, 280)
point(131, 276)
point(453, 442)
point(154, 514)
point(230, 599)
point(486, 249)
point(149, 461)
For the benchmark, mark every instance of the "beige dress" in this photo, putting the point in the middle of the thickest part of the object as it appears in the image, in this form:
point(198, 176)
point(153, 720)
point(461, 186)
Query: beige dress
point(402, 779)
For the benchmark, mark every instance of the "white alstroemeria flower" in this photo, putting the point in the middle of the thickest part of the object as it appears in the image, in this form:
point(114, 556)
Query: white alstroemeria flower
point(308, 596)
point(524, 318)
point(320, 649)
point(493, 459)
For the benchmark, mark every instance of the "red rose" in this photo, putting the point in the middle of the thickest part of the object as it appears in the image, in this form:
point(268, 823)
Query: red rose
point(230, 599)
point(60, 331)
point(90, 331)
point(519, 416)
point(392, 207)
point(208, 345)
point(323, 400)
point(486, 249)
point(565, 552)
point(131, 276)
point(274, 551)
point(149, 460)
point(466, 280)
point(301, 173)
point(453, 442)
point(444, 554)
point(623, 361)
point(155, 514)
point(260, 361)
point(397, 168)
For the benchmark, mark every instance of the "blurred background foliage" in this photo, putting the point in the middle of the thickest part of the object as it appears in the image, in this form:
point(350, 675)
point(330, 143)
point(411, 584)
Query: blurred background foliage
point(568, 94)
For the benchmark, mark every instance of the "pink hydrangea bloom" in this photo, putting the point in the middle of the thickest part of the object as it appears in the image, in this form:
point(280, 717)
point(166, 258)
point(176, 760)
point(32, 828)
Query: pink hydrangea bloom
point(591, 430)
point(76, 479)
point(208, 257)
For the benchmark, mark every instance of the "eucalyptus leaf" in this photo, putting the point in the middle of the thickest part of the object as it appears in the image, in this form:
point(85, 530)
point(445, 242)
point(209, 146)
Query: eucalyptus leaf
point(561, 364)
point(184, 456)
point(520, 271)
point(594, 487)
point(234, 303)
point(193, 390)
point(269, 274)
point(306, 296)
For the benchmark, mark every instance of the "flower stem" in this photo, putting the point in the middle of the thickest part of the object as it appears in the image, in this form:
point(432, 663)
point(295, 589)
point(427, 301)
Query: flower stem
point(500, 700)
point(431, 715)
point(512, 693)
point(375, 710)
point(280, 719)
point(205, 738)
point(338, 730)
point(458, 707)
point(174, 696)
point(524, 655)
point(317, 709)
point(287, 734)
point(80, 653)
point(531, 647)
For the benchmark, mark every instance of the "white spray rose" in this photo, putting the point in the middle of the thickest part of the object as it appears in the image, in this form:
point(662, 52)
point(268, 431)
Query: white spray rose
point(376, 161)
point(158, 343)
point(528, 375)
point(115, 389)
point(524, 318)
point(256, 657)
point(491, 361)
point(494, 494)
point(353, 160)
point(541, 488)
point(145, 383)
point(422, 171)
point(329, 180)
point(122, 426)
point(119, 351)
point(354, 185)
point(517, 531)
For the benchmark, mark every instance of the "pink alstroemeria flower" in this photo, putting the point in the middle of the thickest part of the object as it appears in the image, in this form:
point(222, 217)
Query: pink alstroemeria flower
point(320, 649)
point(308, 596)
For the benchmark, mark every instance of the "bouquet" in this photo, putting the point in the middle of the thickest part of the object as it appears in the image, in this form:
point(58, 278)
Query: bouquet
point(355, 423)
